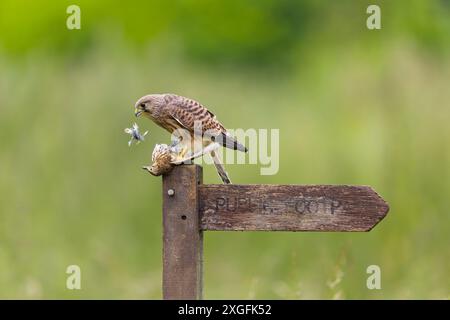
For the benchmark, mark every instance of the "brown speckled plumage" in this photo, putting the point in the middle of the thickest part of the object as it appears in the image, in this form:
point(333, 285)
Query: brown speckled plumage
point(172, 112)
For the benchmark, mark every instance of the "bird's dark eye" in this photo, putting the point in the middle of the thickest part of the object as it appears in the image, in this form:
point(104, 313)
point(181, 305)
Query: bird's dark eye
point(143, 105)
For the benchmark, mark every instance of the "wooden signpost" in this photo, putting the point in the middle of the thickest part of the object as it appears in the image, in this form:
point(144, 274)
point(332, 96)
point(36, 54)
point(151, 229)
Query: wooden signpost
point(190, 207)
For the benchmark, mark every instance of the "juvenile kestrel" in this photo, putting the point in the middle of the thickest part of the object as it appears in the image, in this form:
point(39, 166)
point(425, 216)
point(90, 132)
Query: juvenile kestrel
point(173, 112)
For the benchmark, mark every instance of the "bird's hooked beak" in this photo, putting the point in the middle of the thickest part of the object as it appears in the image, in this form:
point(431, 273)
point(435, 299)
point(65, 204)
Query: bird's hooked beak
point(138, 111)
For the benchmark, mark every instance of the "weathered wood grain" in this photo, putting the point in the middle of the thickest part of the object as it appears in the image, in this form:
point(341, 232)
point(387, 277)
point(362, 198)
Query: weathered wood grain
point(290, 207)
point(182, 237)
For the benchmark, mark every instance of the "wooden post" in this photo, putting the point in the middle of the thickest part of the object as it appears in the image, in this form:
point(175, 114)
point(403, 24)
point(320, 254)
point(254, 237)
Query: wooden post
point(182, 237)
point(189, 207)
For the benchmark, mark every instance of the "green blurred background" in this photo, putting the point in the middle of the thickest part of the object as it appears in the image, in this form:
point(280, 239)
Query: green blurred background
point(353, 106)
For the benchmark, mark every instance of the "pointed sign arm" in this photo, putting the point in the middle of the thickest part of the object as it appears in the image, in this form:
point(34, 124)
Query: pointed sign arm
point(290, 207)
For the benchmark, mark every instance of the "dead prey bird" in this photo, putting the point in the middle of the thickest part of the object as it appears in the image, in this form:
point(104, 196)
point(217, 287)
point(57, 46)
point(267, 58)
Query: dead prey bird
point(165, 157)
point(135, 134)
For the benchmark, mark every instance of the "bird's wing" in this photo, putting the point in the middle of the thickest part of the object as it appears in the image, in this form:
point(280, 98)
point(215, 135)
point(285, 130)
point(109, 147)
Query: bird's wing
point(186, 112)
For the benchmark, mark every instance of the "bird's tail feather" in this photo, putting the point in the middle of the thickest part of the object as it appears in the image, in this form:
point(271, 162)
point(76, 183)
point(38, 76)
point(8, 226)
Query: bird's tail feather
point(230, 142)
point(220, 168)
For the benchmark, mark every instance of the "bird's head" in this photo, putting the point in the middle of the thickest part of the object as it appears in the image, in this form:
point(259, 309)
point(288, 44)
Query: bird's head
point(153, 170)
point(162, 165)
point(149, 105)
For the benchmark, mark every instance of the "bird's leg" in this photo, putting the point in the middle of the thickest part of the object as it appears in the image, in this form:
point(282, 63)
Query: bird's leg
point(178, 151)
point(209, 148)
point(220, 168)
point(175, 142)
point(177, 148)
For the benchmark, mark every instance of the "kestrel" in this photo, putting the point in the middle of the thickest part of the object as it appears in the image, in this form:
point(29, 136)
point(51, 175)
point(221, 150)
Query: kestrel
point(173, 112)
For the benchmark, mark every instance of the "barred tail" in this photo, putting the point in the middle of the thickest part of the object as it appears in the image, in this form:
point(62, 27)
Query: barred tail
point(230, 142)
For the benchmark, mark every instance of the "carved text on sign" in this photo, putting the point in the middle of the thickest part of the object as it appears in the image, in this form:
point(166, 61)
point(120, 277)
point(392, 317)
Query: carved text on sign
point(298, 204)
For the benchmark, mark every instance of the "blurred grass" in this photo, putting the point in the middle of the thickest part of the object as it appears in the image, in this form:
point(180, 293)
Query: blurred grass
point(373, 110)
